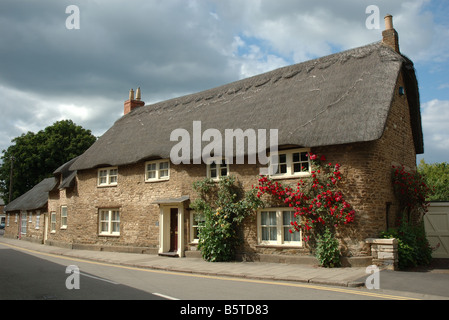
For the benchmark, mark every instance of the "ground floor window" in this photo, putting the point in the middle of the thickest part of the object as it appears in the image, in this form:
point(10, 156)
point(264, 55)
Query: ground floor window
point(197, 220)
point(274, 227)
point(109, 222)
point(23, 222)
point(63, 217)
point(53, 222)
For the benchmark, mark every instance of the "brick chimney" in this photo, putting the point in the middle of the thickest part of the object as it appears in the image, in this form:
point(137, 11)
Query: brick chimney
point(389, 35)
point(133, 103)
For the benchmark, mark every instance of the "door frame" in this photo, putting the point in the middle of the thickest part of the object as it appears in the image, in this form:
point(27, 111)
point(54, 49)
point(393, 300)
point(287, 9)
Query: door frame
point(164, 228)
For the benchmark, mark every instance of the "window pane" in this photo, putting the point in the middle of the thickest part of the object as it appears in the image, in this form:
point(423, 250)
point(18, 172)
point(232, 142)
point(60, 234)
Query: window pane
point(282, 158)
point(213, 172)
point(304, 157)
point(287, 218)
point(268, 224)
point(104, 227)
point(163, 165)
point(305, 166)
point(163, 173)
point(224, 171)
point(151, 175)
point(296, 157)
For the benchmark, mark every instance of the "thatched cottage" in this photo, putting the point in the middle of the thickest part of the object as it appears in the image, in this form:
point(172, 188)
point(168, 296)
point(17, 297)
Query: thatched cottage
point(359, 107)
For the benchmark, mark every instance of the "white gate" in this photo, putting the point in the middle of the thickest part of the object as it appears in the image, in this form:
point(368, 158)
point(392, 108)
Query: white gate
point(436, 223)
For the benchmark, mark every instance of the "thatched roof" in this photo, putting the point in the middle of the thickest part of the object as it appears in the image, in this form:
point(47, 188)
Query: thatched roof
point(34, 199)
point(338, 99)
point(67, 176)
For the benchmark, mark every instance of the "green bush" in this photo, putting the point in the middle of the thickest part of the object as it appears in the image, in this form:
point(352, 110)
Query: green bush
point(327, 251)
point(413, 246)
point(223, 205)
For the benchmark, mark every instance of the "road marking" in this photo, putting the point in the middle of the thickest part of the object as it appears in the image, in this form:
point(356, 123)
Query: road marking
point(94, 277)
point(270, 282)
point(164, 296)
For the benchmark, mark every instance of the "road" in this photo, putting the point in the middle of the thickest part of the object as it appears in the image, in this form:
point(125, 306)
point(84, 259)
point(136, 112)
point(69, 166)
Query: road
point(33, 275)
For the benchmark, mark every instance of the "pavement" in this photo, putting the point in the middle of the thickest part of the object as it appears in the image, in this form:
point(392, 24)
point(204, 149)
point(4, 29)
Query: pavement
point(432, 281)
point(346, 277)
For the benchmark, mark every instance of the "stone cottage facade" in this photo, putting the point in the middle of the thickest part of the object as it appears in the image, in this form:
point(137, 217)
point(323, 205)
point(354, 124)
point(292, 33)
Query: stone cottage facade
point(359, 108)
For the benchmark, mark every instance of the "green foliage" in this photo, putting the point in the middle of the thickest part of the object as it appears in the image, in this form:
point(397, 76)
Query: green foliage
point(436, 175)
point(327, 250)
point(413, 246)
point(35, 156)
point(223, 205)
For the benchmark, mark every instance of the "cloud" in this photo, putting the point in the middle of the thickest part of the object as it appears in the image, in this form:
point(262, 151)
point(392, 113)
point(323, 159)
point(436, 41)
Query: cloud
point(174, 47)
point(435, 117)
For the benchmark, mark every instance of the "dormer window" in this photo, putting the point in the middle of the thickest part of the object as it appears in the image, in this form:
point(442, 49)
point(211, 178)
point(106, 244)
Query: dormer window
point(107, 176)
point(157, 170)
point(291, 163)
point(217, 168)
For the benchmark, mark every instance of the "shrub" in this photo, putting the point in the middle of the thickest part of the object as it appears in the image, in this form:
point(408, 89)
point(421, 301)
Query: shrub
point(413, 246)
point(223, 205)
point(327, 251)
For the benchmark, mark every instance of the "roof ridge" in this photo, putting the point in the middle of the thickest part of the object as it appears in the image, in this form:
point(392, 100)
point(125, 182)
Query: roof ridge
point(260, 80)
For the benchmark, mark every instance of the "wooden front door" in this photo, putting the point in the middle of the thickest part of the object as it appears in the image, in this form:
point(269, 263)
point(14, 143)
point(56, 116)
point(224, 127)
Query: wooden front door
point(173, 229)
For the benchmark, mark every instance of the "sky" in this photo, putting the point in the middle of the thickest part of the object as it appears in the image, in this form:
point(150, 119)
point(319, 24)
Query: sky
point(78, 59)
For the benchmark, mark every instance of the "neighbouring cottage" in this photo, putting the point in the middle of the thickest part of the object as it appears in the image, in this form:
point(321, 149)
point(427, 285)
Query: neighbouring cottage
point(25, 215)
point(359, 107)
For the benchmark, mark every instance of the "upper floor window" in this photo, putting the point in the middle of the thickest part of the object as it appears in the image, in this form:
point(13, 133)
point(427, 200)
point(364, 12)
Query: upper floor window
point(108, 176)
point(291, 163)
point(157, 170)
point(217, 169)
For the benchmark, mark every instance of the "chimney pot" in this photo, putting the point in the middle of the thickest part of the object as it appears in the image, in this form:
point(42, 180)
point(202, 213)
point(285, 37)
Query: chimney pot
point(133, 103)
point(388, 22)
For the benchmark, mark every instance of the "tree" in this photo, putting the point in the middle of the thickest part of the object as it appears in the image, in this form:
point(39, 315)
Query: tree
point(35, 156)
point(437, 176)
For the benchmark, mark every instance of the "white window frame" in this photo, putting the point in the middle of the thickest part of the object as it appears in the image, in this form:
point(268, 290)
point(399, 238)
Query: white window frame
point(194, 226)
point(38, 219)
point(23, 222)
point(158, 170)
point(111, 177)
point(7, 220)
point(217, 165)
point(64, 215)
point(108, 222)
point(290, 163)
point(53, 222)
point(279, 227)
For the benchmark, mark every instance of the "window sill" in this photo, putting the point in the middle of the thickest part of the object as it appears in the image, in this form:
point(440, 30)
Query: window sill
point(280, 246)
point(109, 235)
point(156, 180)
point(296, 176)
point(106, 185)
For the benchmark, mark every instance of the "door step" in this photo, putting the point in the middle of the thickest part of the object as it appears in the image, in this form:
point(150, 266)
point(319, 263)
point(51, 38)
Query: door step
point(169, 254)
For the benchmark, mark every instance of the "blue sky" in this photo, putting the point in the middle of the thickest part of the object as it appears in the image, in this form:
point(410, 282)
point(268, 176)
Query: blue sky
point(175, 47)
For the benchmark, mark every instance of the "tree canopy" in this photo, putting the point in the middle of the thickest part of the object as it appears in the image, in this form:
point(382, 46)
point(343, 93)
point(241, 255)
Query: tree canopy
point(35, 156)
point(436, 176)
